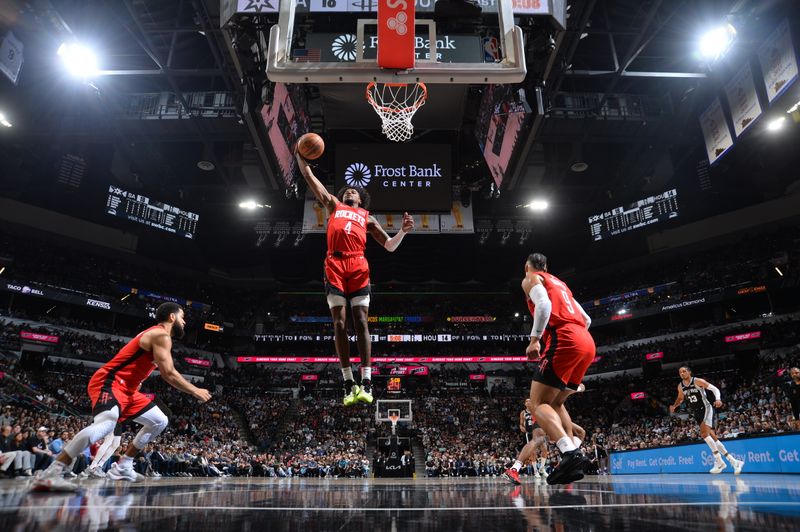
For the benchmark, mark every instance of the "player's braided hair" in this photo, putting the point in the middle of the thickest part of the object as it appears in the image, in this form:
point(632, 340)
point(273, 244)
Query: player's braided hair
point(362, 193)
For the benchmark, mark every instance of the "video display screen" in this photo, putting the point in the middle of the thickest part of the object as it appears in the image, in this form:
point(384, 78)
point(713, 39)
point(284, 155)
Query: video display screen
point(149, 212)
point(286, 119)
point(642, 213)
point(398, 177)
point(501, 124)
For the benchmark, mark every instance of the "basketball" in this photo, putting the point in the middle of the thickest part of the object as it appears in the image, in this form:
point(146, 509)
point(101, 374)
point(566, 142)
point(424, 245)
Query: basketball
point(311, 146)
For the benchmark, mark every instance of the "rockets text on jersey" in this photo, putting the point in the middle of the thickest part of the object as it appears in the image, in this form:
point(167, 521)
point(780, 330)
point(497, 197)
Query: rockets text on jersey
point(347, 229)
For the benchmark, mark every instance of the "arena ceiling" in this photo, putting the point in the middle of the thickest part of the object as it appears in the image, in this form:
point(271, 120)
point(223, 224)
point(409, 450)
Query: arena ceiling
point(634, 51)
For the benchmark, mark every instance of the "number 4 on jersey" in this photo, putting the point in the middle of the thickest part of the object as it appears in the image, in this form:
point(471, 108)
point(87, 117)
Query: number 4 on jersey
point(348, 227)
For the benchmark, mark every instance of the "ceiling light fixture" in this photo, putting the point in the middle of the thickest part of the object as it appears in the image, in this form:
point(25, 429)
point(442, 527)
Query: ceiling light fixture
point(776, 124)
point(714, 43)
point(79, 60)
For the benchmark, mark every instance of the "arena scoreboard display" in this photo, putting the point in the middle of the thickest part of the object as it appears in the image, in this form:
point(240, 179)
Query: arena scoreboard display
point(644, 212)
point(143, 210)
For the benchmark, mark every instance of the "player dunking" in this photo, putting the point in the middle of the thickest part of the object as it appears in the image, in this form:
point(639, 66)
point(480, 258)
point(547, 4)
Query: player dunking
point(693, 390)
point(561, 324)
point(347, 273)
point(115, 395)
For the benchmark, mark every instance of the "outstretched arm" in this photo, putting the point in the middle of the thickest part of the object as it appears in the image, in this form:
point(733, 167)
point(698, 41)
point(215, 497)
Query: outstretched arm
point(314, 184)
point(382, 238)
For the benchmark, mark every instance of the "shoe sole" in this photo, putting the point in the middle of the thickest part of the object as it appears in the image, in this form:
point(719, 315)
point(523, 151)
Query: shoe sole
point(44, 488)
point(565, 476)
point(510, 479)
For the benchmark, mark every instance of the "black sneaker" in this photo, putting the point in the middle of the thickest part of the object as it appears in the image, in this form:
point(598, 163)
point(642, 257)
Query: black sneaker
point(569, 470)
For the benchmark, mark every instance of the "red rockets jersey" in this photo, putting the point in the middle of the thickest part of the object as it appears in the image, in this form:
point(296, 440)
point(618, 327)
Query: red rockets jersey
point(131, 366)
point(564, 308)
point(347, 229)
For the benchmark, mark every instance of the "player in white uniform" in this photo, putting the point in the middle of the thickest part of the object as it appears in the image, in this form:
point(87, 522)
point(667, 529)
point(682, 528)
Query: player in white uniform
point(693, 391)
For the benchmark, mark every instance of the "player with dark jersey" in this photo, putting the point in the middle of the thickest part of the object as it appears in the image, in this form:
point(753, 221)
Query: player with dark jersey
point(563, 349)
point(534, 449)
point(347, 273)
point(693, 391)
point(115, 395)
point(792, 389)
point(601, 453)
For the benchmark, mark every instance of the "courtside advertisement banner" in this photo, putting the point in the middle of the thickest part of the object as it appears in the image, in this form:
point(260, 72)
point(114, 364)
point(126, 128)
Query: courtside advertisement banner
point(36, 337)
point(411, 360)
point(743, 100)
point(197, 362)
point(771, 454)
point(778, 61)
point(743, 337)
point(715, 131)
point(399, 177)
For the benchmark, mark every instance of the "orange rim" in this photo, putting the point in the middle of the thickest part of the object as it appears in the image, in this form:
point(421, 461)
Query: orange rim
point(420, 100)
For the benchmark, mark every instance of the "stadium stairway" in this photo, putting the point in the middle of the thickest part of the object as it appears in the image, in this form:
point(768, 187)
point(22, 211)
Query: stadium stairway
point(287, 422)
point(244, 427)
point(419, 457)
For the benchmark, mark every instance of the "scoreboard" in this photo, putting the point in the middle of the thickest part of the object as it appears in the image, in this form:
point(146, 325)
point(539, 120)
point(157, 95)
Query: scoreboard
point(642, 213)
point(143, 210)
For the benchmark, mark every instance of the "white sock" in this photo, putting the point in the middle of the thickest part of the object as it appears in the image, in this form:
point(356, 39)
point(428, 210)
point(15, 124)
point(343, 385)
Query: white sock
point(347, 373)
point(577, 441)
point(56, 467)
point(713, 445)
point(721, 448)
point(125, 462)
point(366, 373)
point(565, 444)
point(517, 466)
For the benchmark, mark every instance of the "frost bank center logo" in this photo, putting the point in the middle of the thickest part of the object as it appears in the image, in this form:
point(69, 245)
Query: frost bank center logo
point(344, 47)
point(404, 176)
point(357, 175)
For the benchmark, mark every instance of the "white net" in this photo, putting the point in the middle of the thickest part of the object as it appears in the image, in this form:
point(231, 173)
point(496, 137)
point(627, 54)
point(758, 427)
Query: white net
point(396, 104)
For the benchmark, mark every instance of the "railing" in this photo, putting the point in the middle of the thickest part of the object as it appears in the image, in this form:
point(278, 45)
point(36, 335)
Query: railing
point(157, 106)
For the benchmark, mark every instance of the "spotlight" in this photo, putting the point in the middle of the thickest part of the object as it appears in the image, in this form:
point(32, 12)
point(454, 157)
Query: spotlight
point(2, 269)
point(776, 269)
point(516, 314)
point(717, 41)
point(776, 124)
point(79, 60)
point(4, 121)
point(622, 311)
point(538, 205)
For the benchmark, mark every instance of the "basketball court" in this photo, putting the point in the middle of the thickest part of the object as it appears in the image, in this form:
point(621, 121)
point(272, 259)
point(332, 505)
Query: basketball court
point(390, 99)
point(637, 502)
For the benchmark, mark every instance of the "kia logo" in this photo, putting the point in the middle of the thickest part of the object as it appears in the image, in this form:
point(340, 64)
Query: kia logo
point(357, 175)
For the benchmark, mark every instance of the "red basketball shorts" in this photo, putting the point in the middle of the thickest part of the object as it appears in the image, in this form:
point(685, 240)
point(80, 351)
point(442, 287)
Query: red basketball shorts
point(105, 396)
point(347, 276)
point(567, 354)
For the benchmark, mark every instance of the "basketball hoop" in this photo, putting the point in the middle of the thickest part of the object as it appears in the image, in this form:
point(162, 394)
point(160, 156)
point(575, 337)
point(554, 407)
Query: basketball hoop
point(394, 417)
point(396, 104)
